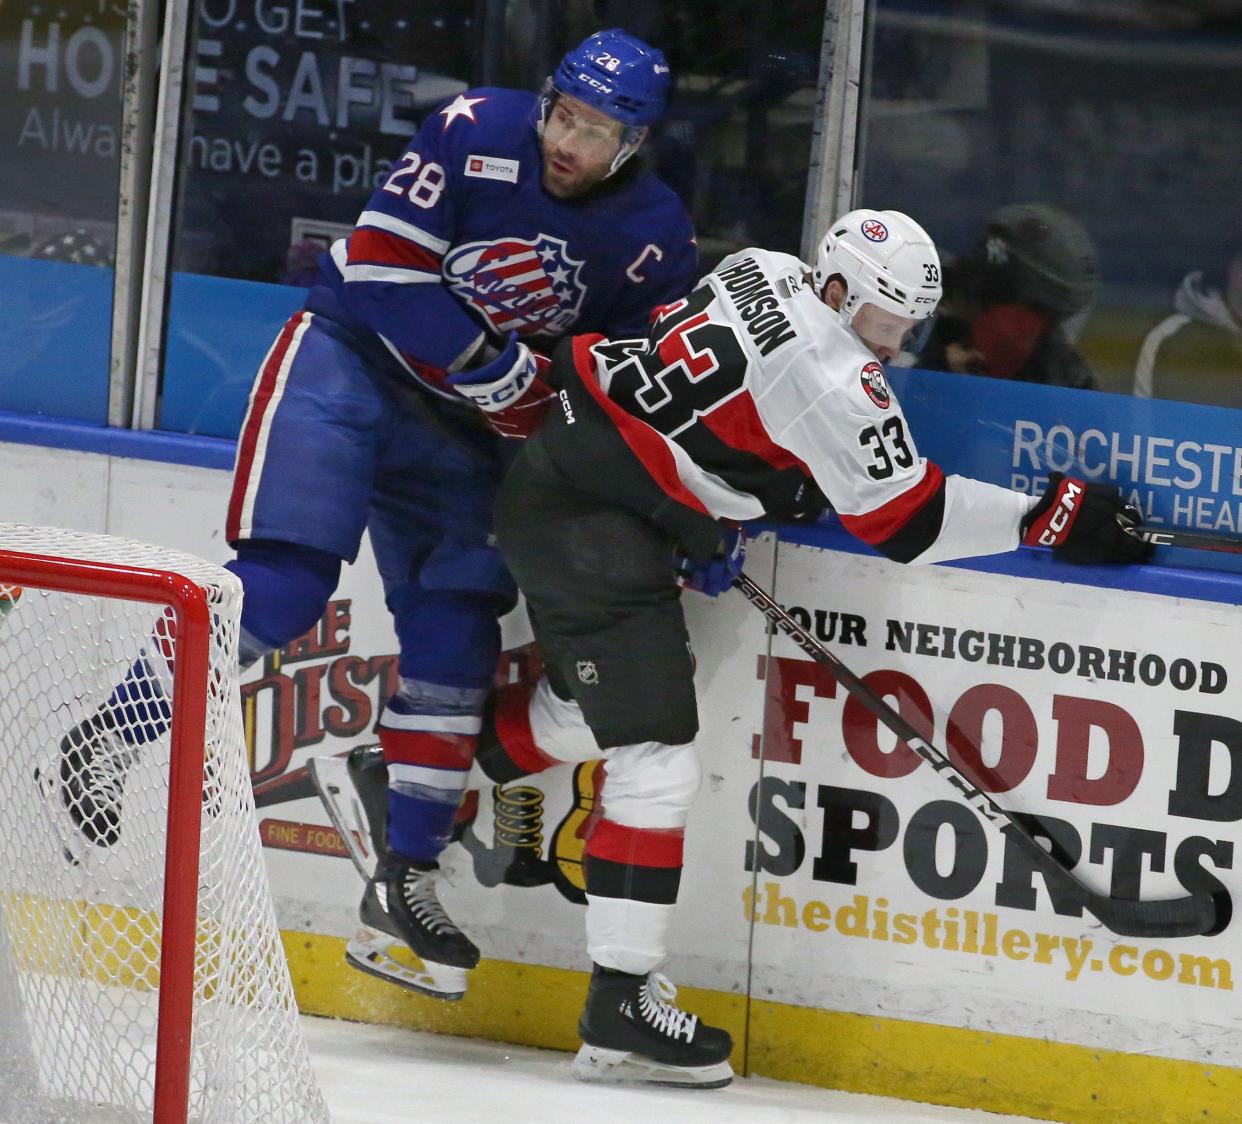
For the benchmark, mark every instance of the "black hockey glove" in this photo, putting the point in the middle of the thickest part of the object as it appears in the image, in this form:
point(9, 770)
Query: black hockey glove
point(793, 497)
point(1082, 523)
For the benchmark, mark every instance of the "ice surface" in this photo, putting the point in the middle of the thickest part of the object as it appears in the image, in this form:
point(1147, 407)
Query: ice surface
point(382, 1075)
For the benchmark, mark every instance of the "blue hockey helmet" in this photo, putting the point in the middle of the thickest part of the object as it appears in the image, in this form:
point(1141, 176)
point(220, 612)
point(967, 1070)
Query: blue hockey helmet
point(619, 75)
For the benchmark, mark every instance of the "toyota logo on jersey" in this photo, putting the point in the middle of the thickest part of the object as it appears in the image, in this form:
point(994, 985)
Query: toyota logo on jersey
point(875, 386)
point(875, 230)
point(517, 284)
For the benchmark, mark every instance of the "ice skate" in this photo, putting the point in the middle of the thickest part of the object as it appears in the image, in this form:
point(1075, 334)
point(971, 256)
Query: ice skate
point(400, 907)
point(632, 1032)
point(89, 783)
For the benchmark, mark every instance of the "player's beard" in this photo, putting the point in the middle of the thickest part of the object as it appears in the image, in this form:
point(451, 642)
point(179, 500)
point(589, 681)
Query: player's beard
point(565, 176)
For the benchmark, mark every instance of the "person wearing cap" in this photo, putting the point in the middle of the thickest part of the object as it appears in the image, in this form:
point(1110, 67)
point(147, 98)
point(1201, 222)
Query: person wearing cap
point(1010, 302)
point(511, 219)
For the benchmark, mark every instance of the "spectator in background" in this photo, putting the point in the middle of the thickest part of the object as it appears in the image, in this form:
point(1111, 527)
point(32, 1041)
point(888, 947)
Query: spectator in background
point(1007, 301)
point(1195, 355)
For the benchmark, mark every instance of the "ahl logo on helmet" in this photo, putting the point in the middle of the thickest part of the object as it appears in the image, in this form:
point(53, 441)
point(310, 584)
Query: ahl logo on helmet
point(875, 386)
point(875, 230)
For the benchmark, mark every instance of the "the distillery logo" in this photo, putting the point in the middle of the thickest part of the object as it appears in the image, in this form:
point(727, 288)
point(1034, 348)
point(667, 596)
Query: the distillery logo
point(311, 690)
point(314, 695)
point(292, 835)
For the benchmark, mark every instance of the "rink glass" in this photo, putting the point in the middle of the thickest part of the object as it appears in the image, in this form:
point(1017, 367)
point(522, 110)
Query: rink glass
point(1122, 115)
point(60, 114)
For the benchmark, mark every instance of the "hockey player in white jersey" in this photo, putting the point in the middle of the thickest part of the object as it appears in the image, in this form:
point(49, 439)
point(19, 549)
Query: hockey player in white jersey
point(763, 384)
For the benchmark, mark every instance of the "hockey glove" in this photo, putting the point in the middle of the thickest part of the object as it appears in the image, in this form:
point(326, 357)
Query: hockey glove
point(716, 575)
point(1083, 523)
point(509, 389)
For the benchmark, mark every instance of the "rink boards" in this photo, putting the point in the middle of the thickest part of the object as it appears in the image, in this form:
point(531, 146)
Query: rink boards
point(843, 913)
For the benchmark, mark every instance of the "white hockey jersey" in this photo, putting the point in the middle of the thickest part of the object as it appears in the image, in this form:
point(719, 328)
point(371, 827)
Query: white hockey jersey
point(751, 378)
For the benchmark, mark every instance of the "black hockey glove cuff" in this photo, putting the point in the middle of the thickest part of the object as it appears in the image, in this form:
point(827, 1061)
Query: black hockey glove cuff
point(1083, 523)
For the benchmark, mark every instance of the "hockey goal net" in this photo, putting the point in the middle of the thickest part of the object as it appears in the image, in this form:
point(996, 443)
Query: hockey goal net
point(141, 971)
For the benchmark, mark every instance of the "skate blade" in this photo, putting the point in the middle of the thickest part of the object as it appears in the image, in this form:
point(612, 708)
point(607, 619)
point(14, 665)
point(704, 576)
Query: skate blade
point(594, 1063)
point(75, 848)
point(330, 776)
point(377, 955)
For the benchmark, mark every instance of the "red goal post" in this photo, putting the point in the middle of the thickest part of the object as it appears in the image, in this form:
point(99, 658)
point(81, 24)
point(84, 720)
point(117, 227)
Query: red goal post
point(163, 944)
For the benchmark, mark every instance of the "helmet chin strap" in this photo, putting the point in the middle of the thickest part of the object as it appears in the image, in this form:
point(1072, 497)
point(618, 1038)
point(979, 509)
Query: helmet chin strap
point(847, 310)
point(545, 103)
point(626, 150)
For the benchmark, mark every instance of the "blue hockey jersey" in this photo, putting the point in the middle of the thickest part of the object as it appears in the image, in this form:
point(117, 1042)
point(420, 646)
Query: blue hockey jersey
point(463, 239)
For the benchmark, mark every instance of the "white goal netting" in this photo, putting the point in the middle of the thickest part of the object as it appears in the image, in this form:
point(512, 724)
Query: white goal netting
point(87, 708)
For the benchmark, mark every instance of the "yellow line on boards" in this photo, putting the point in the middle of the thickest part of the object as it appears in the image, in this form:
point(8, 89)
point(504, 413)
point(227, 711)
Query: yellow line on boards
point(996, 1072)
point(507, 1002)
point(534, 1005)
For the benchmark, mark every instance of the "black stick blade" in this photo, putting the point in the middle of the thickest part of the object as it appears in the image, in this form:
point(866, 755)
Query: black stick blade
point(1200, 914)
point(1194, 915)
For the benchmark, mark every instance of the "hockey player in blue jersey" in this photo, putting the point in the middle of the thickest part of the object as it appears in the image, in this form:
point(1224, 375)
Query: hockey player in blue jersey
point(510, 220)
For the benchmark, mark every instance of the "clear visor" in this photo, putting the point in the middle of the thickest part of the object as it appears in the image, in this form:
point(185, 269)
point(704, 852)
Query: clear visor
point(888, 329)
point(587, 133)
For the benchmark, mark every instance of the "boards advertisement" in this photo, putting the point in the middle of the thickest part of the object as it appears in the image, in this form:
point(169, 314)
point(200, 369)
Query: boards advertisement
point(1110, 718)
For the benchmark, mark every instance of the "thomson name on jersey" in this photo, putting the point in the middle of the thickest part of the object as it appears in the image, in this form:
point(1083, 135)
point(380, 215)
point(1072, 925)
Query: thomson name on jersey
point(757, 305)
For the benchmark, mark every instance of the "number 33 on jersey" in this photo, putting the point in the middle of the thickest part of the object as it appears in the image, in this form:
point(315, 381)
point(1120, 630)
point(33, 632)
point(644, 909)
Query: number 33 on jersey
point(752, 377)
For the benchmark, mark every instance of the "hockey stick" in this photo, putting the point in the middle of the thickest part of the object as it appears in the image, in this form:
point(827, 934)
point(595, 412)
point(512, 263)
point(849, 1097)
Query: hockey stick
point(1195, 914)
point(1192, 539)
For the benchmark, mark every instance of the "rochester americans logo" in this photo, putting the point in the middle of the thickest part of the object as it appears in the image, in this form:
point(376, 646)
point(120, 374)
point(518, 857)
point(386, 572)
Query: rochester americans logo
point(518, 284)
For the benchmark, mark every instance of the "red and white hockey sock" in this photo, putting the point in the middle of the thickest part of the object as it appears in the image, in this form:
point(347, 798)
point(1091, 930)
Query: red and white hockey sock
point(634, 854)
point(632, 879)
point(428, 756)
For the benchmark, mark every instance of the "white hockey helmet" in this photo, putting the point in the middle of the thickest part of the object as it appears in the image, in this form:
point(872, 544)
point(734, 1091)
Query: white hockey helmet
point(885, 258)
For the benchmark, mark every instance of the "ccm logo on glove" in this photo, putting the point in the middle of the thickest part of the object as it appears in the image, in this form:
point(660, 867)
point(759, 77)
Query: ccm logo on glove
point(1085, 523)
point(1058, 523)
point(509, 389)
